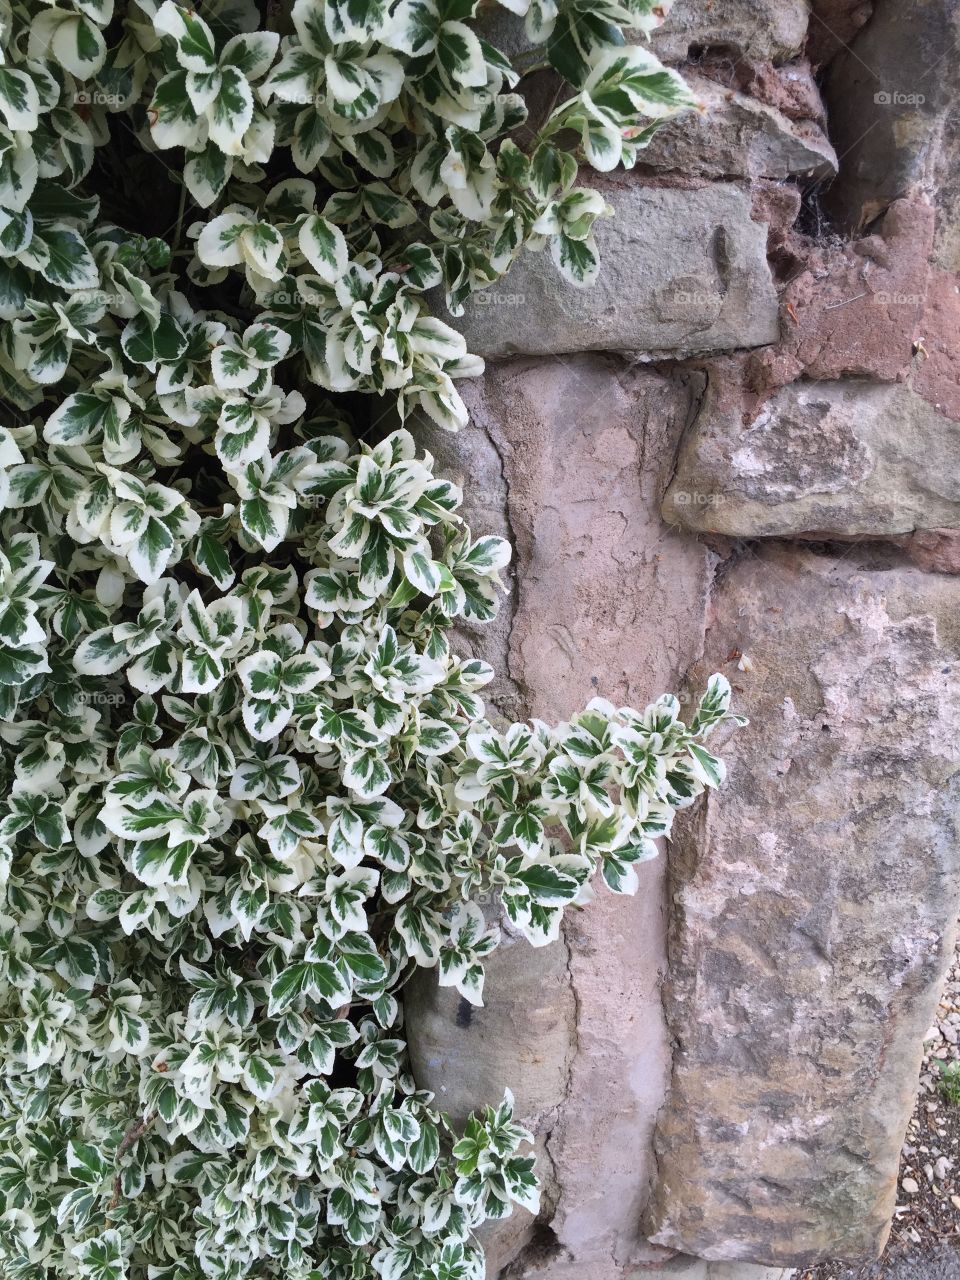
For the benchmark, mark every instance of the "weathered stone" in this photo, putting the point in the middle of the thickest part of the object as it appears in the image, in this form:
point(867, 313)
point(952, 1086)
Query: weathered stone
point(814, 910)
point(889, 96)
point(684, 271)
point(938, 370)
point(856, 309)
point(734, 136)
point(946, 196)
point(760, 29)
point(606, 601)
point(522, 1039)
point(828, 457)
point(936, 550)
point(777, 205)
point(791, 88)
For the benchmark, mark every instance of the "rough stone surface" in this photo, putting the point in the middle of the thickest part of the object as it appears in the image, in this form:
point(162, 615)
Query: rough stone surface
point(946, 194)
point(790, 88)
point(814, 908)
point(829, 457)
point(936, 550)
point(760, 29)
point(522, 1039)
point(684, 271)
point(606, 601)
point(735, 136)
point(889, 96)
point(746, 1271)
point(938, 372)
point(815, 385)
point(856, 309)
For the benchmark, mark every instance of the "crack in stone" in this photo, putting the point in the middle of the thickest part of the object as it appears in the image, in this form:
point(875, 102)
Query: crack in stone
point(512, 603)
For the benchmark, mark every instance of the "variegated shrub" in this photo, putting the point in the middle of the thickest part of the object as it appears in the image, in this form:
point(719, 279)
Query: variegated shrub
point(247, 786)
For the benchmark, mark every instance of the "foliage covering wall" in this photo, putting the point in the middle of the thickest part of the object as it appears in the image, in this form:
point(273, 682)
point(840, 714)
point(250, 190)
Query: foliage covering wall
point(247, 785)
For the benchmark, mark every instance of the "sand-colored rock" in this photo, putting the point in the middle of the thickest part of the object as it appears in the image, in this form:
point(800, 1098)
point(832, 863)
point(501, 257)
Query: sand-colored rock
point(841, 458)
point(813, 910)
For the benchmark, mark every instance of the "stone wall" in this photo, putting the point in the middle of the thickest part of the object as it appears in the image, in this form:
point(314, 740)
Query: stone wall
point(740, 452)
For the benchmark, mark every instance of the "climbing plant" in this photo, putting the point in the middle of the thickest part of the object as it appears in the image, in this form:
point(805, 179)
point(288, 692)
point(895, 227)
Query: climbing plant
point(247, 787)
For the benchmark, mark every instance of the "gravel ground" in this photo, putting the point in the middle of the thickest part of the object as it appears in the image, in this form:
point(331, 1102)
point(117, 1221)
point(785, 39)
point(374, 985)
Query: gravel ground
point(925, 1240)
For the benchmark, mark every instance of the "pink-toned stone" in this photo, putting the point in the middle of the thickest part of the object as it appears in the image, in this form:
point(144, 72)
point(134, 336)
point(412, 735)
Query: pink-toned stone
point(778, 204)
point(856, 310)
point(604, 600)
point(936, 550)
point(937, 377)
point(790, 88)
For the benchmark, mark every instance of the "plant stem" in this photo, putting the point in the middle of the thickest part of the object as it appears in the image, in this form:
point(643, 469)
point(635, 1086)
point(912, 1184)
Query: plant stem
point(180, 212)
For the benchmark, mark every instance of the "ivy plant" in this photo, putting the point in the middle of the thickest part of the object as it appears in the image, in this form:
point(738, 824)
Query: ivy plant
point(248, 786)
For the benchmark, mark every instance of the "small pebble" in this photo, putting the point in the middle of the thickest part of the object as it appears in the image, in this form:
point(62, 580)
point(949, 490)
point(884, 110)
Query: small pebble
point(955, 1201)
point(910, 1186)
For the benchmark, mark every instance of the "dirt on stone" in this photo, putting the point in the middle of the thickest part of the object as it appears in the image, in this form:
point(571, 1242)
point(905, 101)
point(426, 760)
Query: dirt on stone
point(924, 1241)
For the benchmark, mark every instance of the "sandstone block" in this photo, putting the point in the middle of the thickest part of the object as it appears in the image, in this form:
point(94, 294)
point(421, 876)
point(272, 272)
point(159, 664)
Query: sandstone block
point(857, 310)
point(814, 910)
point(840, 458)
